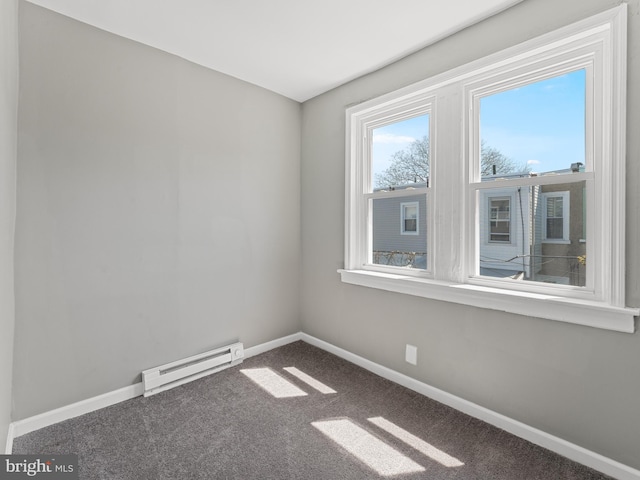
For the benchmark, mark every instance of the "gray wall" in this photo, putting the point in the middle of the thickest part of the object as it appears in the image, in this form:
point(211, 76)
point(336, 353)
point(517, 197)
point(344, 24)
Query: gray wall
point(158, 215)
point(8, 141)
point(158, 212)
point(578, 383)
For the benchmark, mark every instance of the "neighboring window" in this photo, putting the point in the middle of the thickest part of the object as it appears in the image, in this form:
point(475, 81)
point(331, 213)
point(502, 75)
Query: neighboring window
point(409, 225)
point(519, 154)
point(500, 220)
point(556, 217)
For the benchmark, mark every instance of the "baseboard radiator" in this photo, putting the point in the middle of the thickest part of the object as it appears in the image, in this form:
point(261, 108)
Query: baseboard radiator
point(159, 379)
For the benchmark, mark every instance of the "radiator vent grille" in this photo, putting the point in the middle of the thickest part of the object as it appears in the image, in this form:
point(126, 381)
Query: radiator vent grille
point(164, 377)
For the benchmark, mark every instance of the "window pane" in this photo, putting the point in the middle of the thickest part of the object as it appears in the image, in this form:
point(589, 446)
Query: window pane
point(398, 241)
point(554, 228)
point(500, 220)
point(400, 154)
point(500, 209)
point(539, 127)
point(410, 225)
point(554, 207)
point(546, 242)
point(411, 211)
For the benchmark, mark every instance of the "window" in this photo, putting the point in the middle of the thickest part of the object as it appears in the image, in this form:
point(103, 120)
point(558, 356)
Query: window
point(556, 217)
point(409, 225)
point(394, 189)
point(502, 172)
point(532, 133)
point(500, 220)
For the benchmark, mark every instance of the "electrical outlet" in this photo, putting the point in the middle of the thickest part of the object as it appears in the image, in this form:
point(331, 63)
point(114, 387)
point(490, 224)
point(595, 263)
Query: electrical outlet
point(411, 354)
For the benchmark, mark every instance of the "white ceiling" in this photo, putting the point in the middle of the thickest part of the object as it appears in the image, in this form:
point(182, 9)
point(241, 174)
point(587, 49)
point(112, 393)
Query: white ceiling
point(298, 48)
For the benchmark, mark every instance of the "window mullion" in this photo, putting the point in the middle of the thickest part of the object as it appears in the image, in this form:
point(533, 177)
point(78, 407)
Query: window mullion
point(448, 188)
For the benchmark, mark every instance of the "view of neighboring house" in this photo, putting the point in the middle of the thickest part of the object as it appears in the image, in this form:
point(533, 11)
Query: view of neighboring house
point(534, 233)
point(564, 233)
point(505, 231)
point(399, 230)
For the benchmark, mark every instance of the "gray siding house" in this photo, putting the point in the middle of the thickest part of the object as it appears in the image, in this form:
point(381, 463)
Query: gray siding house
point(400, 231)
point(526, 233)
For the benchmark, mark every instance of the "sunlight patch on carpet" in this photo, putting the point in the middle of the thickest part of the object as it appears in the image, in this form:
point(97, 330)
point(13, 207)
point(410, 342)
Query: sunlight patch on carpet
point(367, 448)
point(309, 380)
point(423, 447)
point(273, 383)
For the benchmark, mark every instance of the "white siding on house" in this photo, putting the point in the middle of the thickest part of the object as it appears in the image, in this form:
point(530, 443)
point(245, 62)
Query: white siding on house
point(511, 257)
point(536, 231)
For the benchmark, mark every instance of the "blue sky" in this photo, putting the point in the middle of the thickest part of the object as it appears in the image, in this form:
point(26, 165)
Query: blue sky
point(395, 137)
point(541, 125)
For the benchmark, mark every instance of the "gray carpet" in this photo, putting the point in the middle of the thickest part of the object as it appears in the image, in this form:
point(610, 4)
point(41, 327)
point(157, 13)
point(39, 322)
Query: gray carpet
point(226, 426)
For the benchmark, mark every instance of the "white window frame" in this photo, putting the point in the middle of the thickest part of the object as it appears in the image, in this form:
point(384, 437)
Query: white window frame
point(597, 44)
point(403, 213)
point(362, 193)
point(565, 217)
point(490, 199)
point(579, 54)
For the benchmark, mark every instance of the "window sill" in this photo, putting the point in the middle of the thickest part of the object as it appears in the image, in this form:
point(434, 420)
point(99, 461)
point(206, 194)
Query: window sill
point(581, 312)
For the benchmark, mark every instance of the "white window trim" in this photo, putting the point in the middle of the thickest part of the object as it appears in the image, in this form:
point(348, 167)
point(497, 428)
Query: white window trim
point(403, 205)
point(358, 239)
point(565, 217)
point(580, 312)
point(448, 276)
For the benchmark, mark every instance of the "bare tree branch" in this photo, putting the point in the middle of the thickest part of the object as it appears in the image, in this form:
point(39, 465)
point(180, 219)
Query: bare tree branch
point(411, 165)
point(407, 166)
point(491, 158)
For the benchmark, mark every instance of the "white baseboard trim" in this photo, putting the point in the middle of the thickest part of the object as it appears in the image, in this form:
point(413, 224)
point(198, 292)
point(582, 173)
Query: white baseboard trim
point(9, 446)
point(265, 347)
point(22, 427)
point(566, 449)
